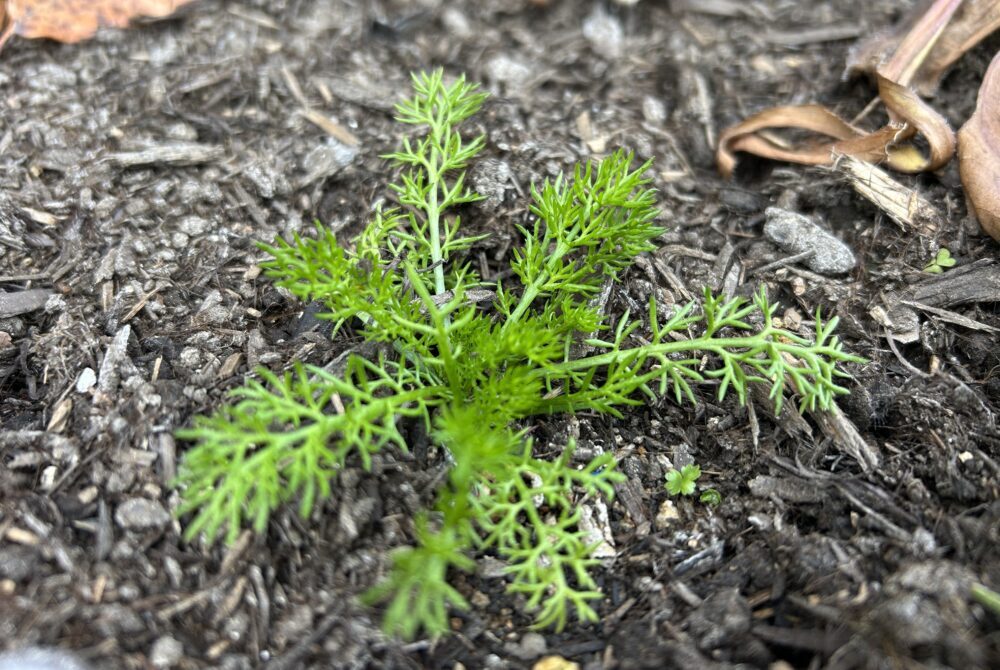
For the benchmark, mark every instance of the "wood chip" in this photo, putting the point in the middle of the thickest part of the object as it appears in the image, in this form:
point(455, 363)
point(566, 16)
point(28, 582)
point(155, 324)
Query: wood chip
point(60, 416)
point(21, 536)
point(844, 434)
point(229, 367)
point(792, 38)
point(22, 302)
point(952, 317)
point(972, 283)
point(903, 205)
point(180, 153)
point(330, 127)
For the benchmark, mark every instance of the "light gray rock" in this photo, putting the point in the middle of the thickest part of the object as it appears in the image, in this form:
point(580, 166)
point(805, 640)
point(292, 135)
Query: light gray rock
point(35, 658)
point(604, 32)
point(491, 179)
point(86, 381)
point(193, 226)
point(530, 647)
point(166, 652)
point(798, 234)
point(141, 514)
point(114, 357)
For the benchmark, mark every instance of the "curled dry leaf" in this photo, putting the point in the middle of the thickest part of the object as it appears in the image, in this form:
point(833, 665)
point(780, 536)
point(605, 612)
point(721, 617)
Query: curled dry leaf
point(76, 20)
point(972, 23)
point(979, 153)
point(909, 115)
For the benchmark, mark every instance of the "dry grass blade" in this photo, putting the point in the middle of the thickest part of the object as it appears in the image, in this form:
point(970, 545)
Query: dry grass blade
point(979, 153)
point(77, 20)
point(909, 115)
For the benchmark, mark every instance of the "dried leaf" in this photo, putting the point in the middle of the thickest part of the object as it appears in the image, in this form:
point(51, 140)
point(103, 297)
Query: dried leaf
point(972, 23)
point(909, 115)
point(979, 153)
point(76, 20)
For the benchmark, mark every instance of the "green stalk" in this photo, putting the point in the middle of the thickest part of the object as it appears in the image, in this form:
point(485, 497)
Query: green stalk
point(434, 224)
point(440, 322)
point(534, 288)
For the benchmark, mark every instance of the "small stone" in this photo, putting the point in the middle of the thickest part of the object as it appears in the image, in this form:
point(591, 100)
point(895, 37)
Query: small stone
point(35, 658)
point(491, 568)
point(268, 179)
point(666, 515)
point(506, 70)
point(798, 234)
point(326, 160)
point(17, 562)
point(140, 514)
point(604, 32)
point(491, 179)
point(193, 226)
point(653, 109)
point(114, 357)
point(479, 600)
point(456, 23)
point(86, 381)
point(116, 620)
point(531, 645)
point(721, 619)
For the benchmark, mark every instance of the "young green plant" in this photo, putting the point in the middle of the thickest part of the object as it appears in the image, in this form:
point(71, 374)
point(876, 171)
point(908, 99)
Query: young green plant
point(473, 364)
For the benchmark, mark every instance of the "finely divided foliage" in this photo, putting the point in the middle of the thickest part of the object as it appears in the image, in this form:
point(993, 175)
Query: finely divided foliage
point(471, 372)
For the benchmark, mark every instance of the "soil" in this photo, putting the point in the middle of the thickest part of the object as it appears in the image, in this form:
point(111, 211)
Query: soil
point(140, 168)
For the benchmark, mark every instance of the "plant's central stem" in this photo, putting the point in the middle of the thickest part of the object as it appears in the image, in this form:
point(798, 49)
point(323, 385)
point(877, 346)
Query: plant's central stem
point(434, 226)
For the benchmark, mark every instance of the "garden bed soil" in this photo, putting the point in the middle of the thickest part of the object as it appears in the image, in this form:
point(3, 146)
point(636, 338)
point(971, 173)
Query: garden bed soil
point(137, 171)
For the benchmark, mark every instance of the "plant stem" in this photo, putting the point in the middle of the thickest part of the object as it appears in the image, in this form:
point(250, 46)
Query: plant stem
point(532, 290)
point(434, 225)
point(722, 345)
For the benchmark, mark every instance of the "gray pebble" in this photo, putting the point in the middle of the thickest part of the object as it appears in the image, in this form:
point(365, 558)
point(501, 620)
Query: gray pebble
point(491, 178)
point(17, 563)
point(166, 652)
point(722, 618)
point(141, 513)
point(530, 647)
point(35, 658)
point(797, 234)
point(506, 70)
point(193, 226)
point(86, 381)
point(604, 32)
point(269, 180)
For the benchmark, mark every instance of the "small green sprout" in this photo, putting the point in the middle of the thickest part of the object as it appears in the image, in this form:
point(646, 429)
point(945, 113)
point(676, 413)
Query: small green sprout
point(468, 364)
point(682, 482)
point(711, 497)
point(941, 261)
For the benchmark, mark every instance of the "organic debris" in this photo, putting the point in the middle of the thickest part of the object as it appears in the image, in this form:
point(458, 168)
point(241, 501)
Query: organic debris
point(979, 153)
point(903, 205)
point(77, 20)
point(909, 116)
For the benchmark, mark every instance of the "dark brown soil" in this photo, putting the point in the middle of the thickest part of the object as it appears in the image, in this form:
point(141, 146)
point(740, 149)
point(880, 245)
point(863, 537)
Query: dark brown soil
point(137, 171)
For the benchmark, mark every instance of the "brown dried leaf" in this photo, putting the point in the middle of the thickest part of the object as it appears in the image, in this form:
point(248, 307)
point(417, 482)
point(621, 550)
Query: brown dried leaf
point(909, 115)
point(76, 20)
point(905, 106)
point(972, 23)
point(979, 153)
